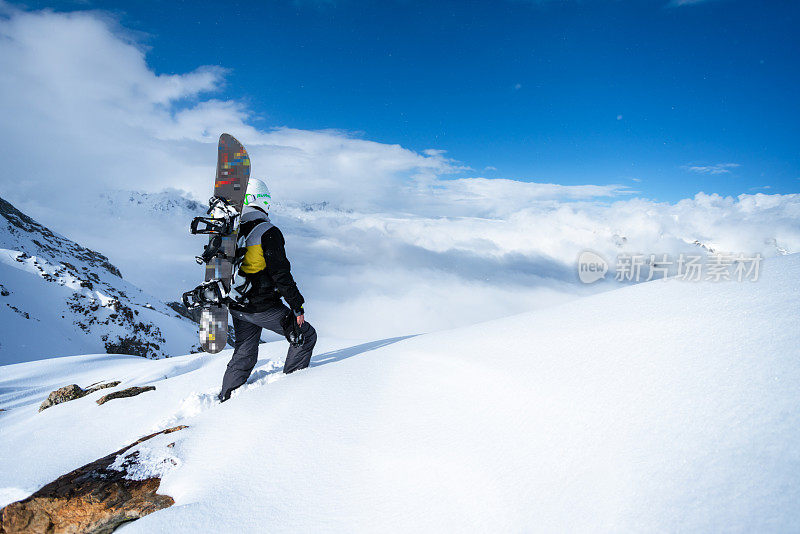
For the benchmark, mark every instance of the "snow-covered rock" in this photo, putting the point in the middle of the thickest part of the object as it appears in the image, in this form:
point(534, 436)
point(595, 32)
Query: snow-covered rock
point(98, 497)
point(664, 406)
point(59, 298)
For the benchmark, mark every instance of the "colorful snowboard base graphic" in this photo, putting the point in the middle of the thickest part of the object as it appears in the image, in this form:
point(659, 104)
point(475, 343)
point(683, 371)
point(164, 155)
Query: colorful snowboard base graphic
point(233, 173)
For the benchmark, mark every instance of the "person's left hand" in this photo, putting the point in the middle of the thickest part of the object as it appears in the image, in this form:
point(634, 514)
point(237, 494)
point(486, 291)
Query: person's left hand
point(301, 319)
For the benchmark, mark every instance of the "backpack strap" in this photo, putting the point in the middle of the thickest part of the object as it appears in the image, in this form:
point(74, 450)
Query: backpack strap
point(253, 237)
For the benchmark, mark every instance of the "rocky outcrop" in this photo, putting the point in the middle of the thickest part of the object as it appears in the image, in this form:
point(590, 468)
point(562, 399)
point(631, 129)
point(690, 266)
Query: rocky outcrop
point(127, 392)
point(95, 498)
point(72, 392)
point(98, 386)
point(67, 393)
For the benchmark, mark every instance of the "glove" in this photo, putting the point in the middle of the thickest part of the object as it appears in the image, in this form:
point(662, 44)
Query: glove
point(291, 330)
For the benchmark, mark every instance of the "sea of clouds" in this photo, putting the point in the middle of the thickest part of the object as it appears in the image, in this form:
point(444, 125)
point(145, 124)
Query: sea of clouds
point(384, 240)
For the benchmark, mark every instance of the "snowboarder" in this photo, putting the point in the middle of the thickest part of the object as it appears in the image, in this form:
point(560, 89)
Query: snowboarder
point(262, 278)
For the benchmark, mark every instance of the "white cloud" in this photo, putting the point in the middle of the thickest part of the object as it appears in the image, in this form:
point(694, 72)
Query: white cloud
point(497, 197)
point(718, 168)
point(422, 271)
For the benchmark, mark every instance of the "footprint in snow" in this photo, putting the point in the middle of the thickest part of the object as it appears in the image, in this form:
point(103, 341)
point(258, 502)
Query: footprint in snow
point(197, 403)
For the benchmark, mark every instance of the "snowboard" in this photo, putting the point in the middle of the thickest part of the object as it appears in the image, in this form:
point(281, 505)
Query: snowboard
point(230, 185)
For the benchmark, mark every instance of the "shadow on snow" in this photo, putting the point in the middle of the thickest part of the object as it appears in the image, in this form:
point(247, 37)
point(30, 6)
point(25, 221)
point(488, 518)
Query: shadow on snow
point(349, 352)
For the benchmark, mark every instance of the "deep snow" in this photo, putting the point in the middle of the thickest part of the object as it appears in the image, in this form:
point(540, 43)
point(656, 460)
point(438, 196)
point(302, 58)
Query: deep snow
point(659, 407)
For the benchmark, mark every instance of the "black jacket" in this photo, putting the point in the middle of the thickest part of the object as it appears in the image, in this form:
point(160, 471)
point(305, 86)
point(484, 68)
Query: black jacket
point(268, 285)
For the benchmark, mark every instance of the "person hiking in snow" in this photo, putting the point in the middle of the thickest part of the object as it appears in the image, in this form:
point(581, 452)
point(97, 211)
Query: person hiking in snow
point(263, 277)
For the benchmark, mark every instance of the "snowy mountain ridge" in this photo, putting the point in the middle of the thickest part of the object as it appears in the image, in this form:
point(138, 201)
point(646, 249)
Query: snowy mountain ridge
point(59, 298)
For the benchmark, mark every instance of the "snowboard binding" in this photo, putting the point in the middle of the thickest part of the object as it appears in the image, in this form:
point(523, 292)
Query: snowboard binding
point(211, 251)
point(208, 293)
point(222, 222)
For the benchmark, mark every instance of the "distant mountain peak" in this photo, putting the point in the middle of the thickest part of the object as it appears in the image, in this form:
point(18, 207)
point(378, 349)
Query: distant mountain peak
point(33, 238)
point(166, 201)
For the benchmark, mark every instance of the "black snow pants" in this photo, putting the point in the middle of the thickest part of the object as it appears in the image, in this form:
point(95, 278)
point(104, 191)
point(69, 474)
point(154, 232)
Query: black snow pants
point(248, 334)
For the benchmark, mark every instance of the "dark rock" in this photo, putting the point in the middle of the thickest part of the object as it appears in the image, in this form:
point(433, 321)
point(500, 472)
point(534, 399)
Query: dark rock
point(72, 392)
point(127, 392)
point(93, 499)
point(67, 393)
point(93, 387)
point(132, 345)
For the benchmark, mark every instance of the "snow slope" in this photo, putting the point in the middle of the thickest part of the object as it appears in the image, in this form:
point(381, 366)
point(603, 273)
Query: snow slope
point(665, 406)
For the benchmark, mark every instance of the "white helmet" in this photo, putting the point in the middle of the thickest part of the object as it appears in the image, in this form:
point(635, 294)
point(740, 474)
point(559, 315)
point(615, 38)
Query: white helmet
point(257, 195)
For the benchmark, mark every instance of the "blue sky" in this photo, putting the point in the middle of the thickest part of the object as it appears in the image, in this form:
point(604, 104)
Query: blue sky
point(667, 99)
